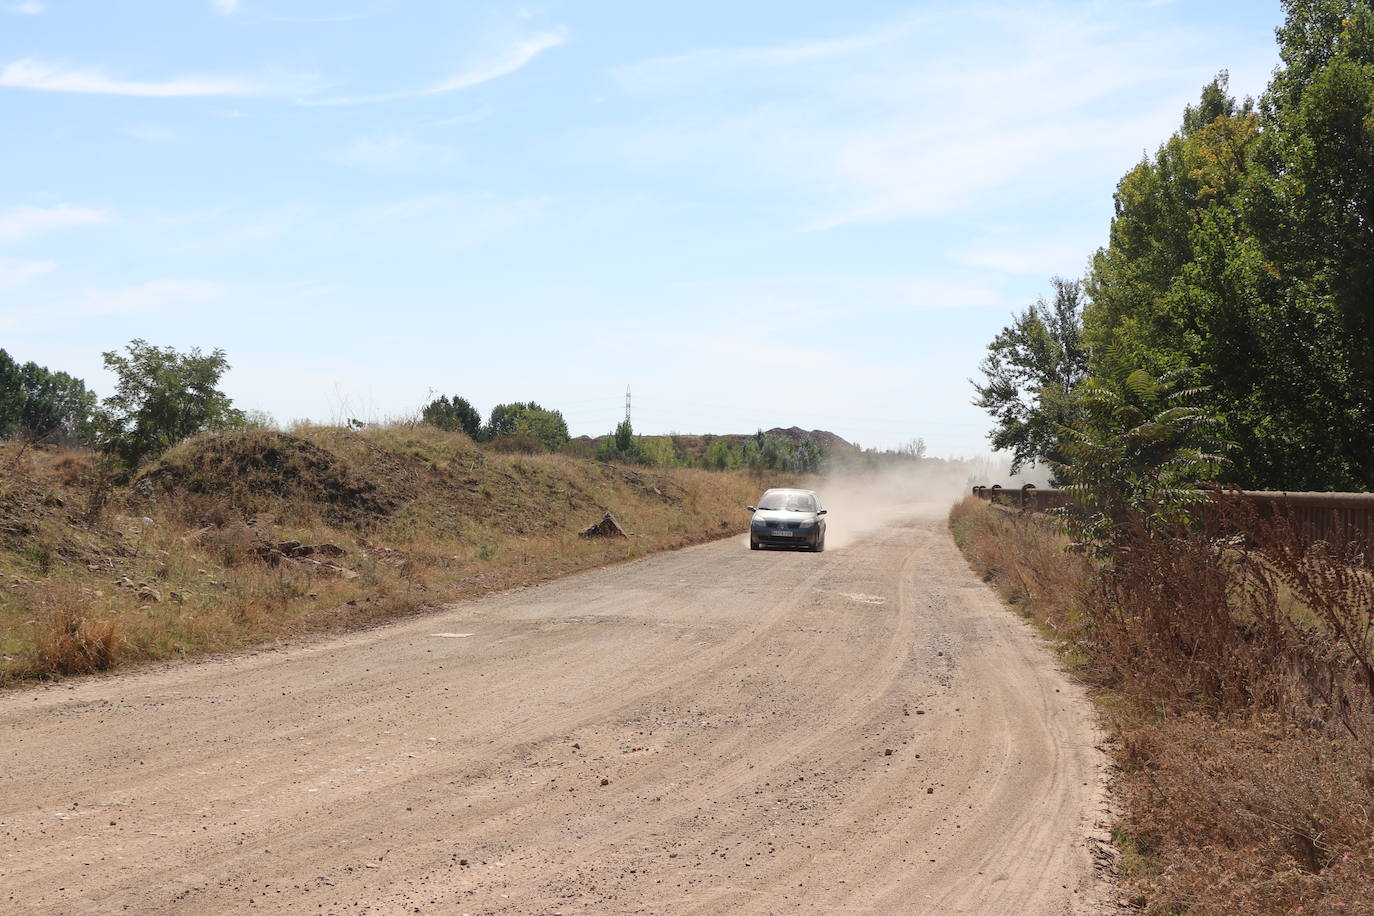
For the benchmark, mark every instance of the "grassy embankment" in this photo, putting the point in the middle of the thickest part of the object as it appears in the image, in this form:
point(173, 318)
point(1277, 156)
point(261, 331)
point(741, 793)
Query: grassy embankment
point(185, 557)
point(1231, 676)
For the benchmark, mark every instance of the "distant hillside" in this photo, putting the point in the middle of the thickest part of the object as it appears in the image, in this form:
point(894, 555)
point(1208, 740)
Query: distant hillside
point(695, 446)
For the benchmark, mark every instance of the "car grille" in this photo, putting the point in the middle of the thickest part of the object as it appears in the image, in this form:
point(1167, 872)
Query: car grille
point(793, 525)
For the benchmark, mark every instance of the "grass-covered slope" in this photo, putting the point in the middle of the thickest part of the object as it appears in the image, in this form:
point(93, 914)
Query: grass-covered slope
point(231, 540)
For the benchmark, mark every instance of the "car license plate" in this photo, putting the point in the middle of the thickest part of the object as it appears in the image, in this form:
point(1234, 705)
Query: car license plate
point(781, 534)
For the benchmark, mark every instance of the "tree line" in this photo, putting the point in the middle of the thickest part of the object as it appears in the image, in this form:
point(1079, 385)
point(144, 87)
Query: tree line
point(766, 451)
point(525, 426)
point(522, 425)
point(1226, 330)
point(161, 396)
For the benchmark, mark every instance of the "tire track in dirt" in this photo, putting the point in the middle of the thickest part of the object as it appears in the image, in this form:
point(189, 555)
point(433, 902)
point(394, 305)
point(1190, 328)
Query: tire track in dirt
point(739, 705)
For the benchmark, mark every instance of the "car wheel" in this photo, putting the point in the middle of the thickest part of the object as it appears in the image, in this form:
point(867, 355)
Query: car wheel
point(753, 544)
point(820, 543)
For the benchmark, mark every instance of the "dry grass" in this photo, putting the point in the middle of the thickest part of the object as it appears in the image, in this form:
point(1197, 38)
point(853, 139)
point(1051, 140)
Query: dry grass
point(1025, 560)
point(1246, 816)
point(422, 516)
point(71, 638)
point(1235, 676)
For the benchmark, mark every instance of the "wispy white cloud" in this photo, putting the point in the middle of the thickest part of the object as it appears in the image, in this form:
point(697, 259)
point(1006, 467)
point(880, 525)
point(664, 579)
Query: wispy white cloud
point(508, 61)
point(223, 230)
point(960, 105)
point(806, 299)
point(153, 295)
point(226, 7)
point(394, 151)
point(45, 76)
point(15, 272)
point(1031, 255)
point(30, 8)
point(143, 297)
point(518, 56)
point(722, 60)
point(21, 223)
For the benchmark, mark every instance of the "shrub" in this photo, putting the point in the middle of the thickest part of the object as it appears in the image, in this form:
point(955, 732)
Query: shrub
point(72, 643)
point(1135, 453)
point(622, 446)
point(528, 419)
point(453, 413)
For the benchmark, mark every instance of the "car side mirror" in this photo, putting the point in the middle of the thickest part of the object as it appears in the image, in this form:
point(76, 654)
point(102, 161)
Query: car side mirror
point(822, 511)
point(751, 508)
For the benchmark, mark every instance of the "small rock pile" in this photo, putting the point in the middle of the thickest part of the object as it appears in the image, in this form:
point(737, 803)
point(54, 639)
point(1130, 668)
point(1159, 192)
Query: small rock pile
point(608, 527)
point(145, 592)
point(255, 538)
point(305, 555)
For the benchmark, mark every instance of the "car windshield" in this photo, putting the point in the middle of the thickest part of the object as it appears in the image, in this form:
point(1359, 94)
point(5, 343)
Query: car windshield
point(795, 502)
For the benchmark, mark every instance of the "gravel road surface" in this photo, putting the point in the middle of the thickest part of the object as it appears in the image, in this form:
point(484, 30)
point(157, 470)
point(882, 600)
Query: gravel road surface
point(713, 730)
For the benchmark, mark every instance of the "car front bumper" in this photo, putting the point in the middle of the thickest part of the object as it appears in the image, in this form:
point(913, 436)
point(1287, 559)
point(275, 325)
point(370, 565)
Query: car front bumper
point(786, 537)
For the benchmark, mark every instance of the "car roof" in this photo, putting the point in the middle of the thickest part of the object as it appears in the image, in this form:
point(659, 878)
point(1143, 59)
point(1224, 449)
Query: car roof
point(789, 490)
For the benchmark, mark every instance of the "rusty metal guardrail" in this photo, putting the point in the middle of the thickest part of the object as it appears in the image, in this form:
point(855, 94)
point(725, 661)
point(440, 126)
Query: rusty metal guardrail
point(1318, 516)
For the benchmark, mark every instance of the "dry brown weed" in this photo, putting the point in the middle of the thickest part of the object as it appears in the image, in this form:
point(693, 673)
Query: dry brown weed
point(1237, 682)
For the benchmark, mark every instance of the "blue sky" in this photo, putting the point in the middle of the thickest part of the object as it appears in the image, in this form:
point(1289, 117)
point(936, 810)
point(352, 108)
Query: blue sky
point(759, 214)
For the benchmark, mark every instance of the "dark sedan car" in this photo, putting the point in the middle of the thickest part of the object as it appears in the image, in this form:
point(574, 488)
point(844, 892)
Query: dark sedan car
point(788, 518)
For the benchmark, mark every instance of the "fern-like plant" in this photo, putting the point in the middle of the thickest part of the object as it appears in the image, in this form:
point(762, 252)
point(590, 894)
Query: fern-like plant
point(1134, 459)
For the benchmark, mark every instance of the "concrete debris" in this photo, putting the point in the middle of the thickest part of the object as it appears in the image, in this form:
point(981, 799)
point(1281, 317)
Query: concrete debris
point(608, 527)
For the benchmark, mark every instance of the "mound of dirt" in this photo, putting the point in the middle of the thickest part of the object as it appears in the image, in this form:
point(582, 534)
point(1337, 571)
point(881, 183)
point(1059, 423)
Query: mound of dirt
point(252, 469)
point(822, 437)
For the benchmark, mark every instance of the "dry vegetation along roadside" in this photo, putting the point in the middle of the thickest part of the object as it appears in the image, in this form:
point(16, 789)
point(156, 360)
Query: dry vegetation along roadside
point(235, 539)
point(1234, 674)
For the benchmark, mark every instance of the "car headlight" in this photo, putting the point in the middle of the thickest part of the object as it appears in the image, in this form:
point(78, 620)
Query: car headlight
point(758, 523)
point(809, 523)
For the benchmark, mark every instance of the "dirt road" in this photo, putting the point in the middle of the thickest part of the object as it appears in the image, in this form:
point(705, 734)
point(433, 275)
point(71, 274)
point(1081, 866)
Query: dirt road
point(709, 731)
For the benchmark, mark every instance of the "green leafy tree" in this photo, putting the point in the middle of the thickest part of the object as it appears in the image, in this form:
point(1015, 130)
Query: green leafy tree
point(622, 446)
point(41, 404)
point(624, 436)
point(453, 413)
point(1245, 248)
point(625, 447)
point(1029, 373)
point(1199, 171)
point(719, 456)
point(161, 397)
point(1134, 458)
point(779, 453)
point(660, 452)
point(526, 418)
point(1310, 208)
